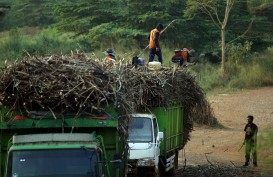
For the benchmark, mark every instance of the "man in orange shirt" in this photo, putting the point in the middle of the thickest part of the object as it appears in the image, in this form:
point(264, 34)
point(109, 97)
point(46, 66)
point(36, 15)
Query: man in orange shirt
point(154, 43)
point(181, 56)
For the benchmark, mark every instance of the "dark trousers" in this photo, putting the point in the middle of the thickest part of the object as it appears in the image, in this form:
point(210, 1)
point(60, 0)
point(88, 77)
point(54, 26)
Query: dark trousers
point(153, 52)
point(250, 147)
point(178, 60)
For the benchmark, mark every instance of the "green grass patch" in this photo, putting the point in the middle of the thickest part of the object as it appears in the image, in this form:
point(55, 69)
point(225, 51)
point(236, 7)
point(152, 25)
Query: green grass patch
point(257, 72)
point(265, 150)
point(20, 42)
point(208, 76)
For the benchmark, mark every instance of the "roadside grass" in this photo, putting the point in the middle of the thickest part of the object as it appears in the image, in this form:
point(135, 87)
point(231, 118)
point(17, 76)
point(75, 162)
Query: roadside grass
point(265, 150)
point(208, 76)
point(257, 72)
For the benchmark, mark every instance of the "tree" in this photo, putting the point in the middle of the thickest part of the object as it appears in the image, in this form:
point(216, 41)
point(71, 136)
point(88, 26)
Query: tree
point(261, 31)
point(98, 23)
point(4, 8)
point(218, 16)
point(30, 13)
point(104, 23)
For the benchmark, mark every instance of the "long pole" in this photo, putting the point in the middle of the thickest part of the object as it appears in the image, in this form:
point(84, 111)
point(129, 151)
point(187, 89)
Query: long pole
point(242, 145)
point(167, 27)
point(160, 33)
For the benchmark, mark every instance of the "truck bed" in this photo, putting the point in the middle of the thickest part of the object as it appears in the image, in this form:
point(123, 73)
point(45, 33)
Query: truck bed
point(170, 122)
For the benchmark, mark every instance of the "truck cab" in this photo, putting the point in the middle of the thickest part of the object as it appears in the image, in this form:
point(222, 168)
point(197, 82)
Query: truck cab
point(144, 141)
point(58, 155)
point(51, 146)
point(155, 140)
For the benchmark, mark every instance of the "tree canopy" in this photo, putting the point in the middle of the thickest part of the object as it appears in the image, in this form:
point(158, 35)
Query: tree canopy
point(100, 23)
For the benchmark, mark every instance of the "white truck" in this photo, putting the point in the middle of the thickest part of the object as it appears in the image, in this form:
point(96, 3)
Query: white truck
point(154, 142)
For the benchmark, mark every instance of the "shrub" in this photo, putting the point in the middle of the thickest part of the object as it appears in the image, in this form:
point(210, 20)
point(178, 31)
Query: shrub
point(255, 74)
point(239, 53)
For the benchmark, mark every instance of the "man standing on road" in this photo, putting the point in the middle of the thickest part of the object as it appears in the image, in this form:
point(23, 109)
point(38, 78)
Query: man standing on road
point(154, 43)
point(250, 142)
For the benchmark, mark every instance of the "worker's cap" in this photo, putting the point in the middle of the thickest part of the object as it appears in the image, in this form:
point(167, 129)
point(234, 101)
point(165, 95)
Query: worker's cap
point(177, 50)
point(109, 50)
point(159, 26)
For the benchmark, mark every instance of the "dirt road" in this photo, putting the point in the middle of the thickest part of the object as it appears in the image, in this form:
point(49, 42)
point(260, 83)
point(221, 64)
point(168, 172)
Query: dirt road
point(210, 146)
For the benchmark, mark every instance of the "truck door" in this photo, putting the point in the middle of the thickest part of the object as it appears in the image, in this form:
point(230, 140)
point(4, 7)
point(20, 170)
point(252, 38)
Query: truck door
point(156, 139)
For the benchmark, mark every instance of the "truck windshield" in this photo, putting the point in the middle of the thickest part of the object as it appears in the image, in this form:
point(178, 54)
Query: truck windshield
point(140, 130)
point(53, 163)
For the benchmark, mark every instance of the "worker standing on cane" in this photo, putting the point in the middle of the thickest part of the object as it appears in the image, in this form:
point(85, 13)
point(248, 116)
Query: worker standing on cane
point(154, 43)
point(250, 142)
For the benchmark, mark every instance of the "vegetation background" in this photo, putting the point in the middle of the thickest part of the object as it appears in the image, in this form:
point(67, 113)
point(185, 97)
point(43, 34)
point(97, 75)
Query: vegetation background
point(45, 27)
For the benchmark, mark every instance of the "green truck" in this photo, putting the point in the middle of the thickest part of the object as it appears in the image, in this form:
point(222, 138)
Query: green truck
point(155, 139)
point(46, 145)
point(52, 145)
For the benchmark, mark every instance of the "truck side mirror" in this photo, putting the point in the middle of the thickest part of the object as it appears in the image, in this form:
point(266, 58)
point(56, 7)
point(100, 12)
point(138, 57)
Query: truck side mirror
point(161, 136)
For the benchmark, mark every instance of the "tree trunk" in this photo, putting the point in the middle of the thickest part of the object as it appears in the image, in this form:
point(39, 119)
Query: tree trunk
point(223, 45)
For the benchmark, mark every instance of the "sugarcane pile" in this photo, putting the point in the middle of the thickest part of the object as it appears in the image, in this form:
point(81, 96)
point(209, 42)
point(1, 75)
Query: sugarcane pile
point(78, 83)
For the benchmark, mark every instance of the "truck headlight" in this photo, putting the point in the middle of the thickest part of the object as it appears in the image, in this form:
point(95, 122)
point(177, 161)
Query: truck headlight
point(146, 162)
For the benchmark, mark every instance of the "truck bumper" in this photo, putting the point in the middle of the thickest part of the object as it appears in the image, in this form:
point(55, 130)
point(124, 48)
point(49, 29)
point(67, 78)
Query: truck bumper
point(141, 170)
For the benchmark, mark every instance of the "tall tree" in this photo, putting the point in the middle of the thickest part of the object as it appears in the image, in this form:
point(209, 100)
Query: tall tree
point(96, 22)
point(30, 13)
point(4, 8)
point(219, 17)
point(261, 31)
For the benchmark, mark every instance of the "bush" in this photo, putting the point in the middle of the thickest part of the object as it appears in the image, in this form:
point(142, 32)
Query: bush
point(239, 53)
point(255, 74)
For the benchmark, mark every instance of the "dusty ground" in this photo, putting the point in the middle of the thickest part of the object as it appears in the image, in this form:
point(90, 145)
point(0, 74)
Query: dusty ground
point(214, 146)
